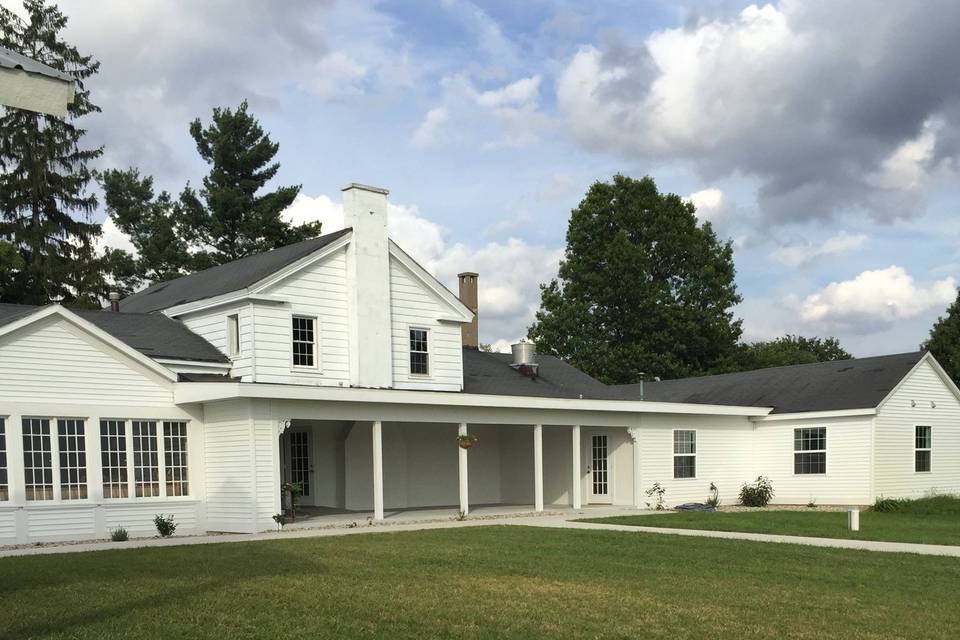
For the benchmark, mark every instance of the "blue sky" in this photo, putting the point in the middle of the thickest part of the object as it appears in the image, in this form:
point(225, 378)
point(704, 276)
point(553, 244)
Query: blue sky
point(821, 137)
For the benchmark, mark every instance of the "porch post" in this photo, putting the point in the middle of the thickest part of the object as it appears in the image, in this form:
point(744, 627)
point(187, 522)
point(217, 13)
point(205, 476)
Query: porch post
point(377, 471)
point(575, 490)
point(462, 466)
point(538, 467)
point(634, 433)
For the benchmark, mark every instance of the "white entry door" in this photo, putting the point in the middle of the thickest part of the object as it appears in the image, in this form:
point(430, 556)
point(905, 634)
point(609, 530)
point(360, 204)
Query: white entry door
point(300, 464)
point(599, 490)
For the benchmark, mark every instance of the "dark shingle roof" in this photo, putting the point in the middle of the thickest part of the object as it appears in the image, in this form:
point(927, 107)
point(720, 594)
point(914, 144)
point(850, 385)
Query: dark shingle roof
point(491, 373)
point(821, 386)
point(225, 278)
point(153, 335)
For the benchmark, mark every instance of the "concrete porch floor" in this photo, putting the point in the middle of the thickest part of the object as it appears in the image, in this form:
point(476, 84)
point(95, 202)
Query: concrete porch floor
point(326, 517)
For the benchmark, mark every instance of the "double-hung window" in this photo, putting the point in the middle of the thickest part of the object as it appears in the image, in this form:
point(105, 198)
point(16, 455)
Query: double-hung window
point(304, 341)
point(37, 459)
point(4, 482)
point(146, 459)
point(113, 458)
point(71, 445)
point(923, 444)
point(419, 352)
point(684, 454)
point(175, 458)
point(810, 450)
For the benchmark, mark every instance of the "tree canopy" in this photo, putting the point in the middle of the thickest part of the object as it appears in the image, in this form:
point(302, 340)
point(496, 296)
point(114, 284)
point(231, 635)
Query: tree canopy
point(789, 349)
point(643, 288)
point(944, 340)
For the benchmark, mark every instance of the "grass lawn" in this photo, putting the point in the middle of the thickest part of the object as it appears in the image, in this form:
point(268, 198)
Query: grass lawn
point(482, 582)
point(929, 520)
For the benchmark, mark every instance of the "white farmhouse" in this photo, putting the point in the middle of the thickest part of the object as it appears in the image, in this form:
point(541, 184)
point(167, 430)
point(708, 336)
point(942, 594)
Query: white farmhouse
point(339, 363)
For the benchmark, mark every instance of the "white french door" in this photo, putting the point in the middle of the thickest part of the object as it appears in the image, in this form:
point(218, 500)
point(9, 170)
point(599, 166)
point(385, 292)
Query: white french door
point(599, 490)
point(299, 463)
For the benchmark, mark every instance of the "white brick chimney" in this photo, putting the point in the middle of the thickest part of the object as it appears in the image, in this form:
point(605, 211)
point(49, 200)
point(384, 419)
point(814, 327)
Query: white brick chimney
point(368, 277)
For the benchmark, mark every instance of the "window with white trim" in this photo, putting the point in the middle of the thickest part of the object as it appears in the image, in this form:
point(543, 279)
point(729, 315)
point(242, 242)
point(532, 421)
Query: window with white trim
point(175, 458)
point(146, 459)
point(684, 454)
point(304, 341)
point(113, 458)
point(419, 352)
point(923, 444)
point(72, 450)
point(37, 459)
point(233, 335)
point(810, 450)
point(4, 482)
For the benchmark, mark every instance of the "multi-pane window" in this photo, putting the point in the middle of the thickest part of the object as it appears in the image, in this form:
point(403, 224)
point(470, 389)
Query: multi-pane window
point(113, 458)
point(175, 458)
point(304, 341)
point(419, 352)
point(146, 461)
point(684, 454)
point(37, 459)
point(810, 450)
point(922, 446)
point(71, 445)
point(4, 483)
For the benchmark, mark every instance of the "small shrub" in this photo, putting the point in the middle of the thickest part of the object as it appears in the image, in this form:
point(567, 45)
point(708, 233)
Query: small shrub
point(658, 491)
point(119, 534)
point(714, 499)
point(165, 525)
point(812, 504)
point(889, 505)
point(757, 494)
point(280, 519)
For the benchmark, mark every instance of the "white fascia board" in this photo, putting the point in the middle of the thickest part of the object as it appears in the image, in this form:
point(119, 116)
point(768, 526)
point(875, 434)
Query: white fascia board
point(460, 311)
point(234, 297)
point(195, 364)
point(816, 415)
point(188, 392)
point(93, 330)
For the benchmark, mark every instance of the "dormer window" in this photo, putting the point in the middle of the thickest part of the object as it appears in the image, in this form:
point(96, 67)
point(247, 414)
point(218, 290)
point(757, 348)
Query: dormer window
point(304, 341)
point(419, 352)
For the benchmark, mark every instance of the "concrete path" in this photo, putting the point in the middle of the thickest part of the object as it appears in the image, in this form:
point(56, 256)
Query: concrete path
point(563, 519)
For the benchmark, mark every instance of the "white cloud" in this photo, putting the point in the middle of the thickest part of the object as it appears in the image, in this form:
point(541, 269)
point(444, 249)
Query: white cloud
point(431, 131)
point(873, 301)
point(711, 204)
point(113, 238)
point(798, 255)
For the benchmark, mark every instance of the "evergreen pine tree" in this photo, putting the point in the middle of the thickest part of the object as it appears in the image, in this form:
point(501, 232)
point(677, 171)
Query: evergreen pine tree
point(45, 206)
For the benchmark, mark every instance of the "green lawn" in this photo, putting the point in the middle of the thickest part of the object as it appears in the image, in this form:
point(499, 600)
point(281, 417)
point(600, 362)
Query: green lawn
point(930, 520)
point(482, 582)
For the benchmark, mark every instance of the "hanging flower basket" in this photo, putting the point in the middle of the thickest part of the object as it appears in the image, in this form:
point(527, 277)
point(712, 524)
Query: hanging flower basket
point(467, 440)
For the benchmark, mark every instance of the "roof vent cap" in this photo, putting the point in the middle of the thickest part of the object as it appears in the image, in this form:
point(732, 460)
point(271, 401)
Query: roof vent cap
point(525, 358)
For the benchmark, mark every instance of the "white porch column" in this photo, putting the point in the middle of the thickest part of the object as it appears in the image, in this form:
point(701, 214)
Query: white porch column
point(538, 467)
point(377, 471)
point(464, 487)
point(635, 437)
point(576, 491)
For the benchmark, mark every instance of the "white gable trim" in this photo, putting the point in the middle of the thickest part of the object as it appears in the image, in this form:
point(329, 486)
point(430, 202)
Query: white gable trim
point(93, 330)
point(944, 377)
point(460, 312)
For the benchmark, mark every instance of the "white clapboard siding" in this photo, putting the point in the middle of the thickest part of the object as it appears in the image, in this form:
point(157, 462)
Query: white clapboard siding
point(76, 522)
point(267, 465)
point(137, 518)
point(724, 453)
point(55, 361)
point(8, 526)
point(413, 304)
point(212, 326)
point(229, 457)
point(896, 423)
point(849, 461)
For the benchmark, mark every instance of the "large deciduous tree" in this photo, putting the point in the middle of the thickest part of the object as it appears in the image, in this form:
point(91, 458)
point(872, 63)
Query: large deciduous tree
point(45, 205)
point(229, 218)
point(643, 288)
point(944, 340)
point(789, 349)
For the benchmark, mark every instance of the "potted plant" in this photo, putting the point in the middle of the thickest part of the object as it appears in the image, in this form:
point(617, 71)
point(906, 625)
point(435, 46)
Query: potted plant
point(294, 491)
point(467, 440)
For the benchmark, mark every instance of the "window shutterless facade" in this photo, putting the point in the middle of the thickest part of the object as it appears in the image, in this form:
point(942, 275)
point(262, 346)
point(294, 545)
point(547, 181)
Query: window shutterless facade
point(4, 481)
point(175, 458)
point(233, 335)
point(37, 459)
point(113, 458)
point(72, 449)
point(419, 352)
point(304, 341)
point(923, 446)
point(684, 454)
point(810, 451)
point(146, 459)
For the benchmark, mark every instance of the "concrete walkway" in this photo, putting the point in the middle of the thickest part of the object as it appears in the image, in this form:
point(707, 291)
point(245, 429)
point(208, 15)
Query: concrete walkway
point(560, 519)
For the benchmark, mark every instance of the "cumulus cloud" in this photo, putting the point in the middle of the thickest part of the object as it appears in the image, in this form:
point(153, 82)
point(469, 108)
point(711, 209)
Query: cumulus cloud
point(711, 204)
point(873, 301)
point(831, 106)
point(798, 255)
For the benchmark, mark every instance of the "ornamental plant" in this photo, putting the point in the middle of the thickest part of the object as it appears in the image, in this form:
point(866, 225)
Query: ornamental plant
point(165, 525)
point(657, 492)
point(757, 494)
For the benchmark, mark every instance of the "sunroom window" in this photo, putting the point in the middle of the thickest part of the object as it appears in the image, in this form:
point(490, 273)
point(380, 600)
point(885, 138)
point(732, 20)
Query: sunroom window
point(4, 483)
point(146, 460)
point(72, 447)
point(113, 458)
point(175, 458)
point(37, 459)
